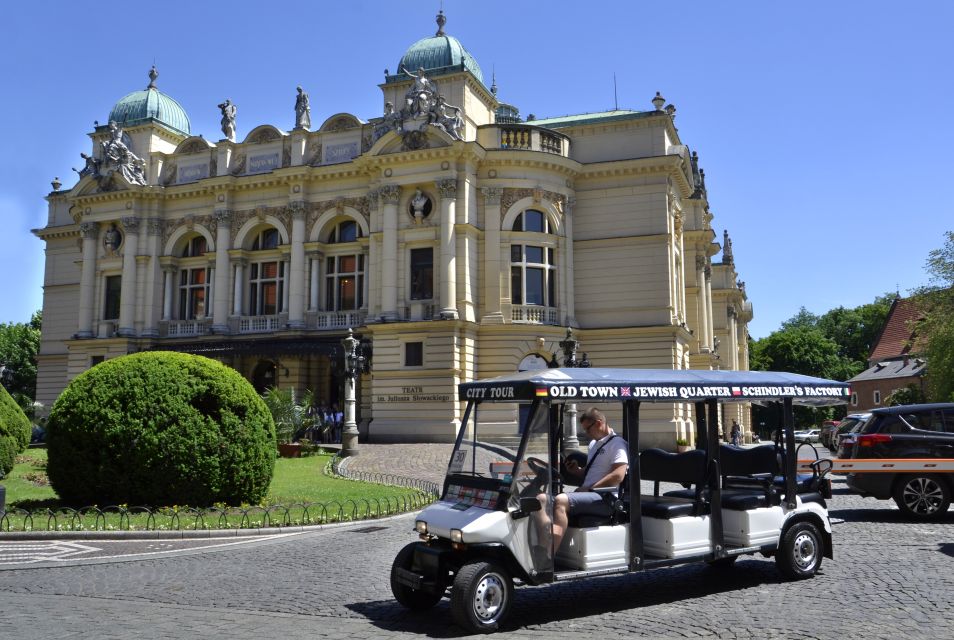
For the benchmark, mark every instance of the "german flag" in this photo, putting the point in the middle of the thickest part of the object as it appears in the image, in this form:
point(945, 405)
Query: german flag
point(542, 392)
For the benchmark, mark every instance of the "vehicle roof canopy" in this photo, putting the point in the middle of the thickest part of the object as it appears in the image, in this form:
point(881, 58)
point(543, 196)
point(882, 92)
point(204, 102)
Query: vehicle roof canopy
point(657, 385)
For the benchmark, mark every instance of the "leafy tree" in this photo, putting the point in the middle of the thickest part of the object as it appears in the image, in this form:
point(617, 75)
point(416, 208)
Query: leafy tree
point(855, 330)
point(937, 306)
point(19, 345)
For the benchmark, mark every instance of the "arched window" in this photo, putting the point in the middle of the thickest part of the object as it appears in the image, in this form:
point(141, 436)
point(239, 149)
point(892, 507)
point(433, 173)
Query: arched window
point(532, 261)
point(347, 231)
point(193, 279)
point(266, 275)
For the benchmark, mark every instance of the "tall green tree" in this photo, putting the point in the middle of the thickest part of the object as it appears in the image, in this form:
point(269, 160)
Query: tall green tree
point(936, 303)
point(19, 345)
point(855, 330)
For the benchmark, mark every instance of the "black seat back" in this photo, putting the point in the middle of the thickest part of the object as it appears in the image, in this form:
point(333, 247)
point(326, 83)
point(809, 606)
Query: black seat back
point(739, 461)
point(661, 466)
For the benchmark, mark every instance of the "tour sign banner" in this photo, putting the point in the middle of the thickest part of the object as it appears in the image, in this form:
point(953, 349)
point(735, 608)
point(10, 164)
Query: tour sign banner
point(652, 385)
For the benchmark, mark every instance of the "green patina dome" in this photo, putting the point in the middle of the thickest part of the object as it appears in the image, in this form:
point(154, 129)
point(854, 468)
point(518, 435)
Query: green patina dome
point(440, 52)
point(150, 104)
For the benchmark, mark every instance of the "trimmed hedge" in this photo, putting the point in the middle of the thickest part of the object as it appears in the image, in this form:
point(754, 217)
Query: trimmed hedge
point(160, 429)
point(15, 429)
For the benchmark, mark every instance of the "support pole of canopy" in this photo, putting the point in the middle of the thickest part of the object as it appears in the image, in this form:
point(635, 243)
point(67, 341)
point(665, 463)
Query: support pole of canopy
point(716, 534)
point(631, 435)
point(788, 417)
point(701, 433)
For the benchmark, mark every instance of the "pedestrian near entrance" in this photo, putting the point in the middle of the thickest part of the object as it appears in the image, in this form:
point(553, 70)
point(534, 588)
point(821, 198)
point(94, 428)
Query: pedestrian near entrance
point(736, 433)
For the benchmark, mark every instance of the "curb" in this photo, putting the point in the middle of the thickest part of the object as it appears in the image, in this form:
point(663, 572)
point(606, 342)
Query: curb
point(188, 534)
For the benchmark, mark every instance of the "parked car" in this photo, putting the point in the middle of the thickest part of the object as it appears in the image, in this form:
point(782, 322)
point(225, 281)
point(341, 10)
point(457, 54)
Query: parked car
point(809, 435)
point(846, 427)
point(828, 429)
point(915, 431)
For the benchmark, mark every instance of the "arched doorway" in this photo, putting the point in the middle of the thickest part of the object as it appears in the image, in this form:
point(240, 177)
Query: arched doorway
point(263, 376)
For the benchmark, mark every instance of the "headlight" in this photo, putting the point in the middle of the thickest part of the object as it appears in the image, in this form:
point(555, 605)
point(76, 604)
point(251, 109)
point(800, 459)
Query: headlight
point(420, 526)
point(456, 535)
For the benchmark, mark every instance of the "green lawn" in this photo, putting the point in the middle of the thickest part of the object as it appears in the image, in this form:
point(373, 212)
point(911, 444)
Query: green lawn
point(301, 493)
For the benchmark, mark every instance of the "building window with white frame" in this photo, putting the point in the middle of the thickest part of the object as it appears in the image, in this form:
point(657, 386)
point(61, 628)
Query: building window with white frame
point(422, 274)
point(877, 397)
point(344, 282)
point(193, 280)
point(266, 275)
point(533, 271)
point(112, 286)
point(413, 354)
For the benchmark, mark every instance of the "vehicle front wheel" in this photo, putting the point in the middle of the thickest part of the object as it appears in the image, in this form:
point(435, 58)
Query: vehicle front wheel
point(415, 599)
point(481, 597)
point(800, 553)
point(924, 497)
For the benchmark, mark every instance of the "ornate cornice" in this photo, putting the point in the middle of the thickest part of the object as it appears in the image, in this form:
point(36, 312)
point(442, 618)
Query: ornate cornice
point(510, 196)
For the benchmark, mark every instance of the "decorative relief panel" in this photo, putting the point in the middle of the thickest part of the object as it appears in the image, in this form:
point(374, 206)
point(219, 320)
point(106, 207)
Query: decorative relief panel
point(511, 196)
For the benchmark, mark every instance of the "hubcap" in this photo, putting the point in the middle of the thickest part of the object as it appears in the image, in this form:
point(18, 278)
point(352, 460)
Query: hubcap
point(489, 597)
point(804, 551)
point(923, 496)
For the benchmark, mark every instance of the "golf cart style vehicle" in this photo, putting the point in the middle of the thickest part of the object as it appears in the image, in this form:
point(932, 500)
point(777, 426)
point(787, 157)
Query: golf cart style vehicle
point(492, 525)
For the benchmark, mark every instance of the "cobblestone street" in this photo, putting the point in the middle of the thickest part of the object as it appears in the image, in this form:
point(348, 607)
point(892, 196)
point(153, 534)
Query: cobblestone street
point(890, 579)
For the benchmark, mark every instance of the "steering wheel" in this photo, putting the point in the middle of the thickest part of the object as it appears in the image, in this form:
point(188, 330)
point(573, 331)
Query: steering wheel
point(541, 469)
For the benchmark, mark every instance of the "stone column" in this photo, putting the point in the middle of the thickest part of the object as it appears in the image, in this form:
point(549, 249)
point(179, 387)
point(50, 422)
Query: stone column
point(223, 240)
point(372, 268)
point(448, 191)
point(314, 280)
point(390, 194)
point(90, 233)
point(154, 230)
point(710, 326)
point(239, 281)
point(169, 278)
point(296, 279)
point(569, 301)
point(127, 292)
point(492, 274)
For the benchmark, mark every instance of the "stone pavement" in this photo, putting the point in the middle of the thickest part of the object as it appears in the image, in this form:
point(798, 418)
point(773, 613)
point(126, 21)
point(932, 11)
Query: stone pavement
point(419, 461)
point(890, 578)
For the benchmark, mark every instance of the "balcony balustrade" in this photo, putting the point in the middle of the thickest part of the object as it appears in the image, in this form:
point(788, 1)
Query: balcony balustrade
point(534, 314)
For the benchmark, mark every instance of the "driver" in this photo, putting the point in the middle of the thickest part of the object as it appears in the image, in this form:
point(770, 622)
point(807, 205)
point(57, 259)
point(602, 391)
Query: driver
point(606, 465)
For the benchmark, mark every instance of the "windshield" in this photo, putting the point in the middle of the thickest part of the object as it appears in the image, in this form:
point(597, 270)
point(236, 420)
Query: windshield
point(487, 447)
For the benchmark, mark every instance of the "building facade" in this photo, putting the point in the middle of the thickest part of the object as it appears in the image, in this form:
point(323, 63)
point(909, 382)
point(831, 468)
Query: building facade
point(458, 241)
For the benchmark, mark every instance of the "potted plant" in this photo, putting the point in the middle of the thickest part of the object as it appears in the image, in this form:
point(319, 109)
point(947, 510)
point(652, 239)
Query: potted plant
point(292, 419)
point(682, 445)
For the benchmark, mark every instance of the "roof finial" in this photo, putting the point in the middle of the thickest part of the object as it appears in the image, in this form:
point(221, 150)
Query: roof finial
point(493, 81)
point(153, 74)
point(441, 21)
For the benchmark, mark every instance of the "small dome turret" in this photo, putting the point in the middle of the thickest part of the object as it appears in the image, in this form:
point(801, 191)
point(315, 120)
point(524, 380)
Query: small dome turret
point(150, 104)
point(438, 54)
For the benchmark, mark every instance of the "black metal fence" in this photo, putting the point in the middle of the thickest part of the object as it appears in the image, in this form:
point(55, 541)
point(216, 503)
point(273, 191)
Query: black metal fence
point(134, 518)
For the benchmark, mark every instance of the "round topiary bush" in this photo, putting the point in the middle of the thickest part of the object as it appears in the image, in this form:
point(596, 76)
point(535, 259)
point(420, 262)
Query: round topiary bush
point(160, 429)
point(15, 429)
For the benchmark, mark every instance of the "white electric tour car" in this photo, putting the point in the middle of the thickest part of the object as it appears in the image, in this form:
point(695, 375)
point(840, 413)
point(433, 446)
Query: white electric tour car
point(489, 528)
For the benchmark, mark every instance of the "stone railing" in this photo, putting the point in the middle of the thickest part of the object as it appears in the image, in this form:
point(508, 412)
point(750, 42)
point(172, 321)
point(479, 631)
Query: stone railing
point(179, 328)
point(522, 137)
point(534, 314)
point(339, 319)
point(259, 324)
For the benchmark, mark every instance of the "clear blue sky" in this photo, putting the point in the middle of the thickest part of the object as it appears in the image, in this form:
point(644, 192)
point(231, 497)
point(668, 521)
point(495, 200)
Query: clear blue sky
point(824, 128)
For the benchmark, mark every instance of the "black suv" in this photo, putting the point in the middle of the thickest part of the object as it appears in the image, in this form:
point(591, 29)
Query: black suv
point(908, 431)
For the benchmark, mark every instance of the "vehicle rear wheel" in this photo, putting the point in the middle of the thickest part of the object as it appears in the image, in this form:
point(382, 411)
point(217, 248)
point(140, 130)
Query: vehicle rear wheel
point(481, 597)
point(924, 497)
point(800, 553)
point(411, 598)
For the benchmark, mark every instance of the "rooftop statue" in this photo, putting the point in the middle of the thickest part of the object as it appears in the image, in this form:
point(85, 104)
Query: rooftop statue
point(228, 119)
point(423, 107)
point(115, 157)
point(302, 110)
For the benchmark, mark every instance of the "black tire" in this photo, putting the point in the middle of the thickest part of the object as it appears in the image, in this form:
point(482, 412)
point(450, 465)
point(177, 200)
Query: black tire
point(482, 597)
point(922, 497)
point(414, 599)
point(800, 554)
point(723, 563)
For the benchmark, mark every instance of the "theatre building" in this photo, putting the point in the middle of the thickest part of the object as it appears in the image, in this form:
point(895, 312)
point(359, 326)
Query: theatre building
point(456, 239)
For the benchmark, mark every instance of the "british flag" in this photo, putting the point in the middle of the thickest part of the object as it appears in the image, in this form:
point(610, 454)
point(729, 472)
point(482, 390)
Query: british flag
point(625, 392)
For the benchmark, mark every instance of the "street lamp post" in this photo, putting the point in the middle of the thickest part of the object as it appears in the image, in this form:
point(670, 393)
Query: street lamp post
point(569, 346)
point(354, 364)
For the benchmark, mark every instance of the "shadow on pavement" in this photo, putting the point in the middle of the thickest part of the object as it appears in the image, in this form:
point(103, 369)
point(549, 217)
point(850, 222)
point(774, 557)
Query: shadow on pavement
point(566, 601)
